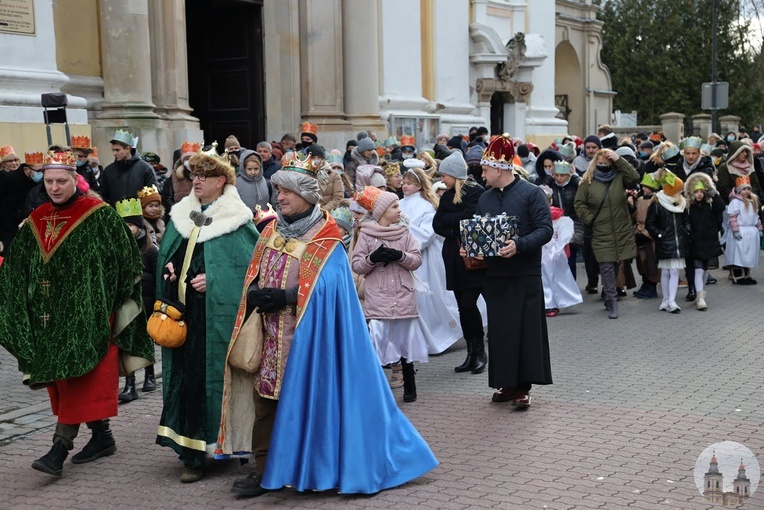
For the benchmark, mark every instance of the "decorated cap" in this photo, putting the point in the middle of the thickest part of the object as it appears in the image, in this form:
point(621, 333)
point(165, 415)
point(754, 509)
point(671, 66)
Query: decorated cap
point(742, 183)
point(500, 153)
point(562, 167)
point(408, 141)
point(122, 136)
point(390, 142)
point(7, 152)
point(699, 185)
point(691, 142)
point(670, 152)
point(149, 194)
point(190, 148)
point(210, 164)
point(343, 217)
point(308, 128)
point(34, 158)
point(392, 169)
point(81, 143)
point(649, 182)
point(302, 165)
point(59, 160)
point(129, 207)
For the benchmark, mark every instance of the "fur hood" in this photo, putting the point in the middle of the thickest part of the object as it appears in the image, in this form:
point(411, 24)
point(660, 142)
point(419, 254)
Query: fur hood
point(360, 160)
point(228, 213)
point(689, 192)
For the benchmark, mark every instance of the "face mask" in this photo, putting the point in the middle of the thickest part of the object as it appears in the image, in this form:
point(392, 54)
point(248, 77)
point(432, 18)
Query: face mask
point(730, 138)
point(407, 155)
point(81, 163)
point(525, 160)
point(603, 168)
point(185, 164)
point(642, 154)
point(316, 162)
point(37, 176)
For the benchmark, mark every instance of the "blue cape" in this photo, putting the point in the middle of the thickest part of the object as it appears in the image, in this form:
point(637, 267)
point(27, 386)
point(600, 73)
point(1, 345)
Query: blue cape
point(337, 424)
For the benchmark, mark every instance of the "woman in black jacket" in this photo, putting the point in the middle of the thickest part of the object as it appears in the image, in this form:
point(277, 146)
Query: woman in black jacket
point(459, 203)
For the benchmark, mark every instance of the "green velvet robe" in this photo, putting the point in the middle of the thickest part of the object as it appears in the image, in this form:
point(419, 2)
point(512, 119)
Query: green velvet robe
point(55, 315)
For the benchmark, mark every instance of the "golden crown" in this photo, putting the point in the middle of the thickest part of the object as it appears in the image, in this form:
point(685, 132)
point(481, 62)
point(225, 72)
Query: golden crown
point(302, 165)
point(392, 169)
point(148, 191)
point(63, 160)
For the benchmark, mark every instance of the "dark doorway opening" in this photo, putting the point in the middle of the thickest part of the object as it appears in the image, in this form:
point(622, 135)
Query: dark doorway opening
point(226, 70)
point(497, 114)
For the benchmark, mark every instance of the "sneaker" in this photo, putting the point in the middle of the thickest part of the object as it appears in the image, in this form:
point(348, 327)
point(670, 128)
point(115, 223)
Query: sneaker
point(664, 305)
point(591, 289)
point(673, 307)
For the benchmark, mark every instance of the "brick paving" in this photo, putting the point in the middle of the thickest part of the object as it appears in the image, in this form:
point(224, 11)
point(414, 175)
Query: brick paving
point(635, 401)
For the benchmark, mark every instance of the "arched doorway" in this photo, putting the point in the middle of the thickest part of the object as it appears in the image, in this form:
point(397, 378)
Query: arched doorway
point(497, 113)
point(569, 88)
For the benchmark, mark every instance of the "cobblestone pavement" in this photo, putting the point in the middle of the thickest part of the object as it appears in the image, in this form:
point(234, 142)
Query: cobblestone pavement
point(635, 401)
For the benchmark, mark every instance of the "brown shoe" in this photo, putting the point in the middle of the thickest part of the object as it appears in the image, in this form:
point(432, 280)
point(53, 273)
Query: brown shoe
point(504, 395)
point(522, 399)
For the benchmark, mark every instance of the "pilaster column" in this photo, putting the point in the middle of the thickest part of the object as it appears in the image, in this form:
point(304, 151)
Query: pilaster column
point(361, 64)
point(126, 68)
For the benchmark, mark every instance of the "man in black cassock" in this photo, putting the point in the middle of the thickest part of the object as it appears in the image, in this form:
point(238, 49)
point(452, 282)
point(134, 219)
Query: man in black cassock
point(518, 344)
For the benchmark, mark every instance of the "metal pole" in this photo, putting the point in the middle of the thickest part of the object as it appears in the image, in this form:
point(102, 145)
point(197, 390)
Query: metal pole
point(713, 67)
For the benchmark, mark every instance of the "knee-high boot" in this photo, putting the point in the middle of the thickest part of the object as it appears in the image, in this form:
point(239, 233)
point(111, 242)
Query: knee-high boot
point(409, 382)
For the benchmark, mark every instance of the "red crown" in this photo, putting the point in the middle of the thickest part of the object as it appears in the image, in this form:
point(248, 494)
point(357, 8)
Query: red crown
point(81, 142)
point(62, 160)
point(307, 127)
point(190, 148)
point(34, 158)
point(6, 150)
point(94, 153)
point(742, 181)
point(500, 153)
point(408, 140)
point(367, 197)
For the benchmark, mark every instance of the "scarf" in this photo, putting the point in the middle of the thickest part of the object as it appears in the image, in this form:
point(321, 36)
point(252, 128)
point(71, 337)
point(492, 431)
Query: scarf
point(295, 226)
point(605, 177)
point(389, 233)
point(689, 169)
point(742, 169)
point(668, 202)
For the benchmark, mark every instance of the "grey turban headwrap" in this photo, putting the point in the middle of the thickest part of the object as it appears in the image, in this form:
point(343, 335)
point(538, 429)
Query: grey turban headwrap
point(304, 185)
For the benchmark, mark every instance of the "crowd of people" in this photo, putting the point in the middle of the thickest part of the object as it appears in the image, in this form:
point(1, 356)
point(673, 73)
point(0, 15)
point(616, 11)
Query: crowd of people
point(291, 252)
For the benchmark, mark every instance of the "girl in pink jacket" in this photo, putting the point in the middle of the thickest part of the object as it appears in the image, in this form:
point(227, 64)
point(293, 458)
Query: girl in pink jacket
point(387, 253)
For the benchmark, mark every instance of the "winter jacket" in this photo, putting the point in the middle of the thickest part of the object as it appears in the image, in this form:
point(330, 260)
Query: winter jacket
point(331, 187)
point(270, 167)
point(124, 179)
point(14, 187)
point(253, 190)
point(581, 163)
point(149, 256)
point(670, 231)
point(277, 151)
point(728, 173)
point(564, 196)
point(703, 165)
point(528, 203)
point(389, 292)
point(446, 224)
point(541, 174)
point(355, 161)
point(35, 198)
point(613, 233)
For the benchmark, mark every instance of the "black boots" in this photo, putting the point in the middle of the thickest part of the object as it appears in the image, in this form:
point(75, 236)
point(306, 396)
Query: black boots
point(691, 294)
point(469, 363)
point(128, 393)
point(249, 487)
point(480, 360)
point(149, 381)
point(53, 461)
point(409, 382)
point(101, 444)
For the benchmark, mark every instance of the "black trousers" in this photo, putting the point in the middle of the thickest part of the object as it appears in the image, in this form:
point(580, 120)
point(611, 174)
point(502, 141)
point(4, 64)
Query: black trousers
point(469, 314)
point(591, 265)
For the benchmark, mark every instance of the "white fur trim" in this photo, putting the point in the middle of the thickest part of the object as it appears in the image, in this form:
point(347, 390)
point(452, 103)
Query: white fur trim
point(227, 212)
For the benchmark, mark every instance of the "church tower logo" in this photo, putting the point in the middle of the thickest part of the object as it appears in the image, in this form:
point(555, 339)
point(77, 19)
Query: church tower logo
point(727, 474)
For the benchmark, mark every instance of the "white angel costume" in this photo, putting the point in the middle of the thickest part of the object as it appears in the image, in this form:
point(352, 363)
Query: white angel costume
point(560, 288)
point(743, 252)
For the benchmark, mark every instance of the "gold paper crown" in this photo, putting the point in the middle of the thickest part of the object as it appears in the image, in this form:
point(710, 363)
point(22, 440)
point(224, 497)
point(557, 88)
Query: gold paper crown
point(307, 127)
point(301, 165)
point(81, 142)
point(34, 158)
point(147, 191)
point(190, 148)
point(392, 169)
point(62, 160)
point(129, 207)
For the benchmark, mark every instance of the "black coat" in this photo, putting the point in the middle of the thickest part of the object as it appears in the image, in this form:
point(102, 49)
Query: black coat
point(705, 165)
point(36, 197)
point(123, 179)
point(446, 224)
point(705, 221)
point(670, 231)
point(564, 196)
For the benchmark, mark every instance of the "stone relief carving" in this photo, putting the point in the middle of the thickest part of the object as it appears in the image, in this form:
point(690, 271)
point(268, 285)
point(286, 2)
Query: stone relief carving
point(516, 48)
point(518, 90)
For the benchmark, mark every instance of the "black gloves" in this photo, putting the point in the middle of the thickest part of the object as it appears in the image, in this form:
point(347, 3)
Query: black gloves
point(267, 300)
point(386, 255)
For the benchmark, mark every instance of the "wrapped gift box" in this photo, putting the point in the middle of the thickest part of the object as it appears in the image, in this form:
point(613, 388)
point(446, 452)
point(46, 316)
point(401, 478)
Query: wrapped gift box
point(484, 235)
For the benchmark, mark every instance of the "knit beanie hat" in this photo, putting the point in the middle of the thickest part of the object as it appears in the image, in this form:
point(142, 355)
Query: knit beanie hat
point(625, 151)
point(523, 151)
point(454, 165)
point(593, 139)
point(456, 142)
point(366, 144)
point(385, 200)
point(149, 194)
point(474, 155)
point(378, 180)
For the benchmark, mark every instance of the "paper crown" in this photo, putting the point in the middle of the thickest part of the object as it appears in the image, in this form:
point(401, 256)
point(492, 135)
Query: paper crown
point(567, 150)
point(691, 142)
point(699, 185)
point(148, 191)
point(190, 148)
point(307, 127)
point(122, 136)
point(670, 183)
point(669, 152)
point(562, 167)
point(649, 181)
point(706, 149)
point(500, 153)
point(381, 151)
point(81, 142)
point(742, 182)
point(302, 165)
point(60, 160)
point(392, 169)
point(367, 197)
point(334, 157)
point(264, 215)
point(408, 141)
point(129, 207)
point(391, 141)
point(343, 217)
point(7, 150)
point(34, 158)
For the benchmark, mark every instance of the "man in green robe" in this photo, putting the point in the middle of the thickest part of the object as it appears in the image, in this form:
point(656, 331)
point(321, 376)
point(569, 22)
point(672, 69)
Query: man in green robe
point(204, 256)
point(71, 311)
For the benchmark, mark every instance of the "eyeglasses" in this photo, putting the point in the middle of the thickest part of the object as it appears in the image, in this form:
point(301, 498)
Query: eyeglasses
point(201, 177)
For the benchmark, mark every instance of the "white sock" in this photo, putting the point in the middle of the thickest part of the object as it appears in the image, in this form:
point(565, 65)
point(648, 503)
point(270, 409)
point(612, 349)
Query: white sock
point(700, 279)
point(673, 284)
point(665, 273)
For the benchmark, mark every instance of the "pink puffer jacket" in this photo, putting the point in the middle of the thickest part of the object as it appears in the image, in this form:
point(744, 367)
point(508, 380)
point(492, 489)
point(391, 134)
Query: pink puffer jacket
point(389, 290)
